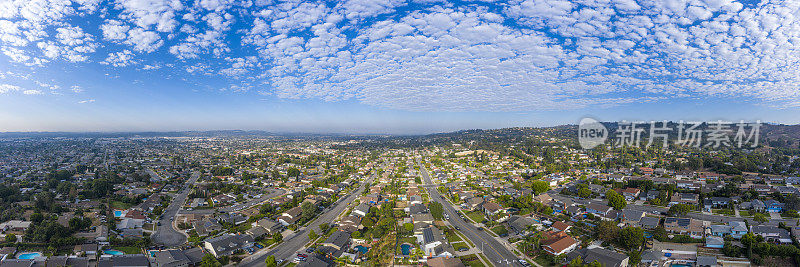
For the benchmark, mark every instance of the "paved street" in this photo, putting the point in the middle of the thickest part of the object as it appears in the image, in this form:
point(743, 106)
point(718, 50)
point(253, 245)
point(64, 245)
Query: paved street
point(166, 234)
point(498, 254)
point(291, 244)
point(253, 202)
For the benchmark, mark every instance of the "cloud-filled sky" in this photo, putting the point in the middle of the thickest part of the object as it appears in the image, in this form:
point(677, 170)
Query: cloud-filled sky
point(390, 65)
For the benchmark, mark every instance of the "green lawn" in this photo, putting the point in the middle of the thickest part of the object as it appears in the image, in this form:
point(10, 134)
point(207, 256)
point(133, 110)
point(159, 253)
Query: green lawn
point(484, 258)
point(723, 211)
point(459, 245)
point(500, 230)
point(745, 213)
point(120, 205)
point(452, 236)
point(471, 260)
point(476, 216)
point(128, 250)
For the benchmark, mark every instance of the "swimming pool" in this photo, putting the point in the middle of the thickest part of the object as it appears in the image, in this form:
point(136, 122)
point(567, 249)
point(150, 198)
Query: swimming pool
point(680, 265)
point(406, 249)
point(362, 249)
point(29, 255)
point(113, 252)
point(117, 213)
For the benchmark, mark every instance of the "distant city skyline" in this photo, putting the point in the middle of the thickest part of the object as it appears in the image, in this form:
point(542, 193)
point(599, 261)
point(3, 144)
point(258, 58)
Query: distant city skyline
point(395, 67)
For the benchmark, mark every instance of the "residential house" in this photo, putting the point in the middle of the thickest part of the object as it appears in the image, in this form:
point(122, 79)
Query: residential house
point(631, 194)
point(649, 222)
point(127, 260)
point(631, 217)
point(227, 244)
point(336, 244)
point(444, 262)
point(688, 226)
point(492, 209)
point(738, 229)
point(422, 218)
point(605, 257)
point(719, 230)
point(715, 242)
point(684, 198)
point(772, 234)
point(519, 224)
point(361, 210)
point(598, 209)
point(171, 258)
point(290, 216)
point(559, 245)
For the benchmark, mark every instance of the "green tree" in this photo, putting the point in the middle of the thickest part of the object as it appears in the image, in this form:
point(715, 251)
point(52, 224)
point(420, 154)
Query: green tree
point(209, 261)
point(615, 200)
point(759, 217)
point(539, 186)
point(631, 238)
point(606, 231)
point(312, 235)
point(576, 262)
point(277, 237)
point(293, 172)
point(309, 210)
point(409, 227)
point(437, 211)
point(680, 209)
point(11, 238)
point(271, 261)
point(356, 235)
point(584, 192)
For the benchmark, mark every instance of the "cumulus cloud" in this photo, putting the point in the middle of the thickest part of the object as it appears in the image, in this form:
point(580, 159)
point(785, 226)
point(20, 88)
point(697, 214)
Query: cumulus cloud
point(119, 59)
point(434, 55)
point(6, 88)
point(32, 92)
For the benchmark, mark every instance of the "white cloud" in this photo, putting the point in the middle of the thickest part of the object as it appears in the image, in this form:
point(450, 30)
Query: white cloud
point(32, 92)
point(143, 40)
point(76, 89)
point(6, 88)
point(86, 101)
point(432, 55)
point(149, 13)
point(114, 30)
point(119, 59)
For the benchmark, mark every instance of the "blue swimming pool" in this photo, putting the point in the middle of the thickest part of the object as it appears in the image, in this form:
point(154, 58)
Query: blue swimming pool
point(117, 213)
point(362, 249)
point(405, 248)
point(29, 255)
point(113, 252)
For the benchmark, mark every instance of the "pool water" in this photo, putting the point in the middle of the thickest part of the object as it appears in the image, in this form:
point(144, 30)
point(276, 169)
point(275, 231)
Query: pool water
point(405, 248)
point(680, 265)
point(29, 255)
point(117, 213)
point(113, 252)
point(362, 249)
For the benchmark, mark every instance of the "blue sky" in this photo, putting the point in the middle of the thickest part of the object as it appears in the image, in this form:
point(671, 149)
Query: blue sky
point(388, 66)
